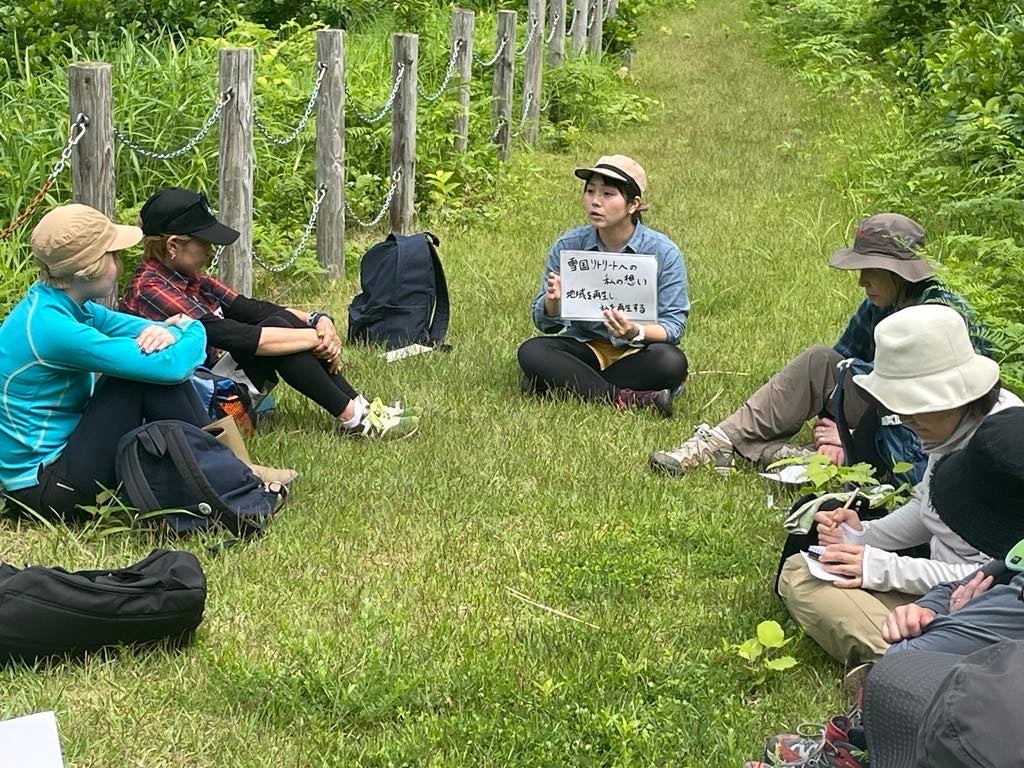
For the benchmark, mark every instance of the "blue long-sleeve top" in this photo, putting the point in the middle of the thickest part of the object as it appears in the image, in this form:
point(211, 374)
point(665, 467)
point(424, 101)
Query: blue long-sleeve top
point(673, 295)
point(51, 352)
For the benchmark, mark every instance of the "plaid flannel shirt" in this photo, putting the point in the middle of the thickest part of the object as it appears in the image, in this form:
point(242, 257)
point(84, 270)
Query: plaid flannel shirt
point(158, 292)
point(858, 340)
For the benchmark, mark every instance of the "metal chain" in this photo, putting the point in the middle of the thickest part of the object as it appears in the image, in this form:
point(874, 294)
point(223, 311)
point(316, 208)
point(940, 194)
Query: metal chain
point(497, 54)
point(310, 226)
point(575, 18)
point(383, 209)
point(302, 120)
point(75, 134)
point(494, 136)
point(191, 143)
point(607, 10)
point(593, 19)
point(526, 108)
point(447, 75)
point(529, 38)
point(554, 26)
point(387, 105)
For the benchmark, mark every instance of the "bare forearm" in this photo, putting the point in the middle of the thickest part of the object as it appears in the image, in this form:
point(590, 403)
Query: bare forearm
point(654, 332)
point(275, 342)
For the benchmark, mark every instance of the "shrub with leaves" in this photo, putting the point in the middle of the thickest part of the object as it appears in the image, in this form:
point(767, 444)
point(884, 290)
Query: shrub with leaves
point(763, 652)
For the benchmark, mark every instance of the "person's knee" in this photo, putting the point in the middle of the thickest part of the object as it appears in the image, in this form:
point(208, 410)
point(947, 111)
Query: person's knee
point(794, 579)
point(669, 360)
point(282, 320)
point(818, 357)
point(531, 354)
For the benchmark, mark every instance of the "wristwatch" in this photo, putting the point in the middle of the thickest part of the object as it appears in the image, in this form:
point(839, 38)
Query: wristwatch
point(314, 318)
point(639, 334)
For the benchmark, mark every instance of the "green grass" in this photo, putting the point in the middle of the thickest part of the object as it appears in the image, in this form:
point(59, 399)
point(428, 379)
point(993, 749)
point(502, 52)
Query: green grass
point(376, 625)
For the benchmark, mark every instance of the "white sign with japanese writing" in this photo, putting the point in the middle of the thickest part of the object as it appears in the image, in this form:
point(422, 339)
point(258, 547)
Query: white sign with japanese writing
point(30, 742)
point(593, 281)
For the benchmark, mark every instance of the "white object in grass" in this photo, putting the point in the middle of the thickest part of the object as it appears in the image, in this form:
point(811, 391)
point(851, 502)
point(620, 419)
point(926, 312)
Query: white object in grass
point(31, 742)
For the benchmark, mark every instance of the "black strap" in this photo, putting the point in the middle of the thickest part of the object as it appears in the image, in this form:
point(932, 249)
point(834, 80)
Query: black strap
point(439, 323)
point(187, 466)
point(140, 492)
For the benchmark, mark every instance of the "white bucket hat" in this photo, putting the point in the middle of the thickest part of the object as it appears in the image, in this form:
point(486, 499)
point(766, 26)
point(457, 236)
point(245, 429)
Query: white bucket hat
point(924, 362)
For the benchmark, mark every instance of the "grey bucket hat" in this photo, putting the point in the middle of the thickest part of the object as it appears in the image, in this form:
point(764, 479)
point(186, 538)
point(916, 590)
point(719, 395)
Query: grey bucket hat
point(924, 709)
point(886, 241)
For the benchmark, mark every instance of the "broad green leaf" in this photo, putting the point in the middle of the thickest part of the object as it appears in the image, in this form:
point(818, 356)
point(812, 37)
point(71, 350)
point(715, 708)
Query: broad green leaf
point(770, 634)
point(781, 663)
point(750, 649)
point(901, 466)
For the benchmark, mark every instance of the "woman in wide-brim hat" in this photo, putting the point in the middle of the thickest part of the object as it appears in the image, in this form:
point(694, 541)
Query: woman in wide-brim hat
point(886, 253)
point(59, 426)
point(619, 359)
point(927, 372)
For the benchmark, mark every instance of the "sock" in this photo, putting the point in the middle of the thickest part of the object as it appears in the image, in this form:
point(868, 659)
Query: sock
point(358, 412)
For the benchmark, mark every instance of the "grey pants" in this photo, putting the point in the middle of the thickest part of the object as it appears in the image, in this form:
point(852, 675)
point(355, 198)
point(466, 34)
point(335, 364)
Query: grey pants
point(778, 410)
point(989, 618)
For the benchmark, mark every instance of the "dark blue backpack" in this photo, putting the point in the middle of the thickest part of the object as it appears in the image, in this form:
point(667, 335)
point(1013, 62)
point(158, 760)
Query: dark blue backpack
point(881, 438)
point(175, 466)
point(405, 296)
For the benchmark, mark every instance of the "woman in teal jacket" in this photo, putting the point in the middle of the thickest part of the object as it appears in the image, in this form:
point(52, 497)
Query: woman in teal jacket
point(60, 423)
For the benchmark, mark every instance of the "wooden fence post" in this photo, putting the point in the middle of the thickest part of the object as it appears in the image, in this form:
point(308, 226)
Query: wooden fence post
point(533, 71)
point(463, 23)
point(595, 35)
point(234, 178)
point(613, 8)
point(405, 52)
point(556, 48)
point(578, 38)
point(92, 161)
point(330, 151)
point(504, 80)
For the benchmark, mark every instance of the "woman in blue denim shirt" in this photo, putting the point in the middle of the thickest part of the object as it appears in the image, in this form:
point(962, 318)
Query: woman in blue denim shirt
point(619, 360)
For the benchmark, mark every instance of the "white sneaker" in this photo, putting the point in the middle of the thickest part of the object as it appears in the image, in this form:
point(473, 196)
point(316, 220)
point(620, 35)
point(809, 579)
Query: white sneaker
point(709, 447)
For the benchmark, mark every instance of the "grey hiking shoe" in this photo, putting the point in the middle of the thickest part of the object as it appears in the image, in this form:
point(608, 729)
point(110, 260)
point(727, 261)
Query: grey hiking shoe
point(708, 447)
point(788, 452)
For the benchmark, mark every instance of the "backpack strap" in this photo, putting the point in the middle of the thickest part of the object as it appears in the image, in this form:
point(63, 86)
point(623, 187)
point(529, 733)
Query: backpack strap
point(439, 323)
point(194, 479)
point(139, 490)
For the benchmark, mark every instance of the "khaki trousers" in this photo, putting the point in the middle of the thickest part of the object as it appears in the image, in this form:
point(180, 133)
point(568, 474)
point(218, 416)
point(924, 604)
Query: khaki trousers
point(847, 623)
point(778, 410)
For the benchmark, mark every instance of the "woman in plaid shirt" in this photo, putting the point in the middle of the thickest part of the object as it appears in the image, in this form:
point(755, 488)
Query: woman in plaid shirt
point(266, 340)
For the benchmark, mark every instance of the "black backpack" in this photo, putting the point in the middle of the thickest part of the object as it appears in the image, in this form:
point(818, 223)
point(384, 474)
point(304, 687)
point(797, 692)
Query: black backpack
point(405, 296)
point(47, 612)
point(173, 465)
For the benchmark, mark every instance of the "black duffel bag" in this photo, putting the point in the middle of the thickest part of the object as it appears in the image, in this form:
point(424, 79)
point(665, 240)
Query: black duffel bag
point(46, 612)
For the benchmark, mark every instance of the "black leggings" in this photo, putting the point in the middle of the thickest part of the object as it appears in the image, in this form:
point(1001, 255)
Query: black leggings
point(87, 464)
point(302, 370)
point(558, 362)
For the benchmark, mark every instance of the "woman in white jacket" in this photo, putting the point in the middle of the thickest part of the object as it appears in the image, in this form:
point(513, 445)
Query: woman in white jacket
point(927, 372)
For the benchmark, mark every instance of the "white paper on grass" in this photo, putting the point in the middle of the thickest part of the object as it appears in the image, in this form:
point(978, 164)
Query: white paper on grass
point(817, 569)
point(791, 474)
point(30, 742)
point(403, 352)
point(593, 281)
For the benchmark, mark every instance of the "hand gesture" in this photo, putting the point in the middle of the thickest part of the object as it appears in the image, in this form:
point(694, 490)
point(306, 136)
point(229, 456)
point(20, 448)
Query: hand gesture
point(846, 560)
point(328, 347)
point(829, 522)
point(826, 432)
point(619, 325)
point(906, 621)
point(154, 338)
point(963, 594)
point(553, 292)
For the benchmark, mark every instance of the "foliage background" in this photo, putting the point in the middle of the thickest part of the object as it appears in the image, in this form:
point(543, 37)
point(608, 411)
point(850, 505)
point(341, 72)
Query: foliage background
point(950, 76)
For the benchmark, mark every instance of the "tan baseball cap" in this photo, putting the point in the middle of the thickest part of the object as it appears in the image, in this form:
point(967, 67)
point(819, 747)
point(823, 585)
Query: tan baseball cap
point(72, 237)
point(617, 167)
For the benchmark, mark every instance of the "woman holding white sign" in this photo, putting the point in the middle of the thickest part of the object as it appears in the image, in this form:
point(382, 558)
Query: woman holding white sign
point(624, 308)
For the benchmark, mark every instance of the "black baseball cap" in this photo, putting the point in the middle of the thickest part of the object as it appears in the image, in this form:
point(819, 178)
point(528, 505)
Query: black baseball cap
point(177, 211)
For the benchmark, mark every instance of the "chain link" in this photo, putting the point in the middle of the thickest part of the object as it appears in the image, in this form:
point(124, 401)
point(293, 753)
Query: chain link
point(607, 10)
point(302, 120)
point(593, 18)
point(526, 108)
point(575, 18)
point(529, 38)
point(387, 105)
point(310, 226)
point(554, 26)
point(497, 54)
point(190, 144)
point(494, 136)
point(447, 75)
point(75, 134)
point(383, 209)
